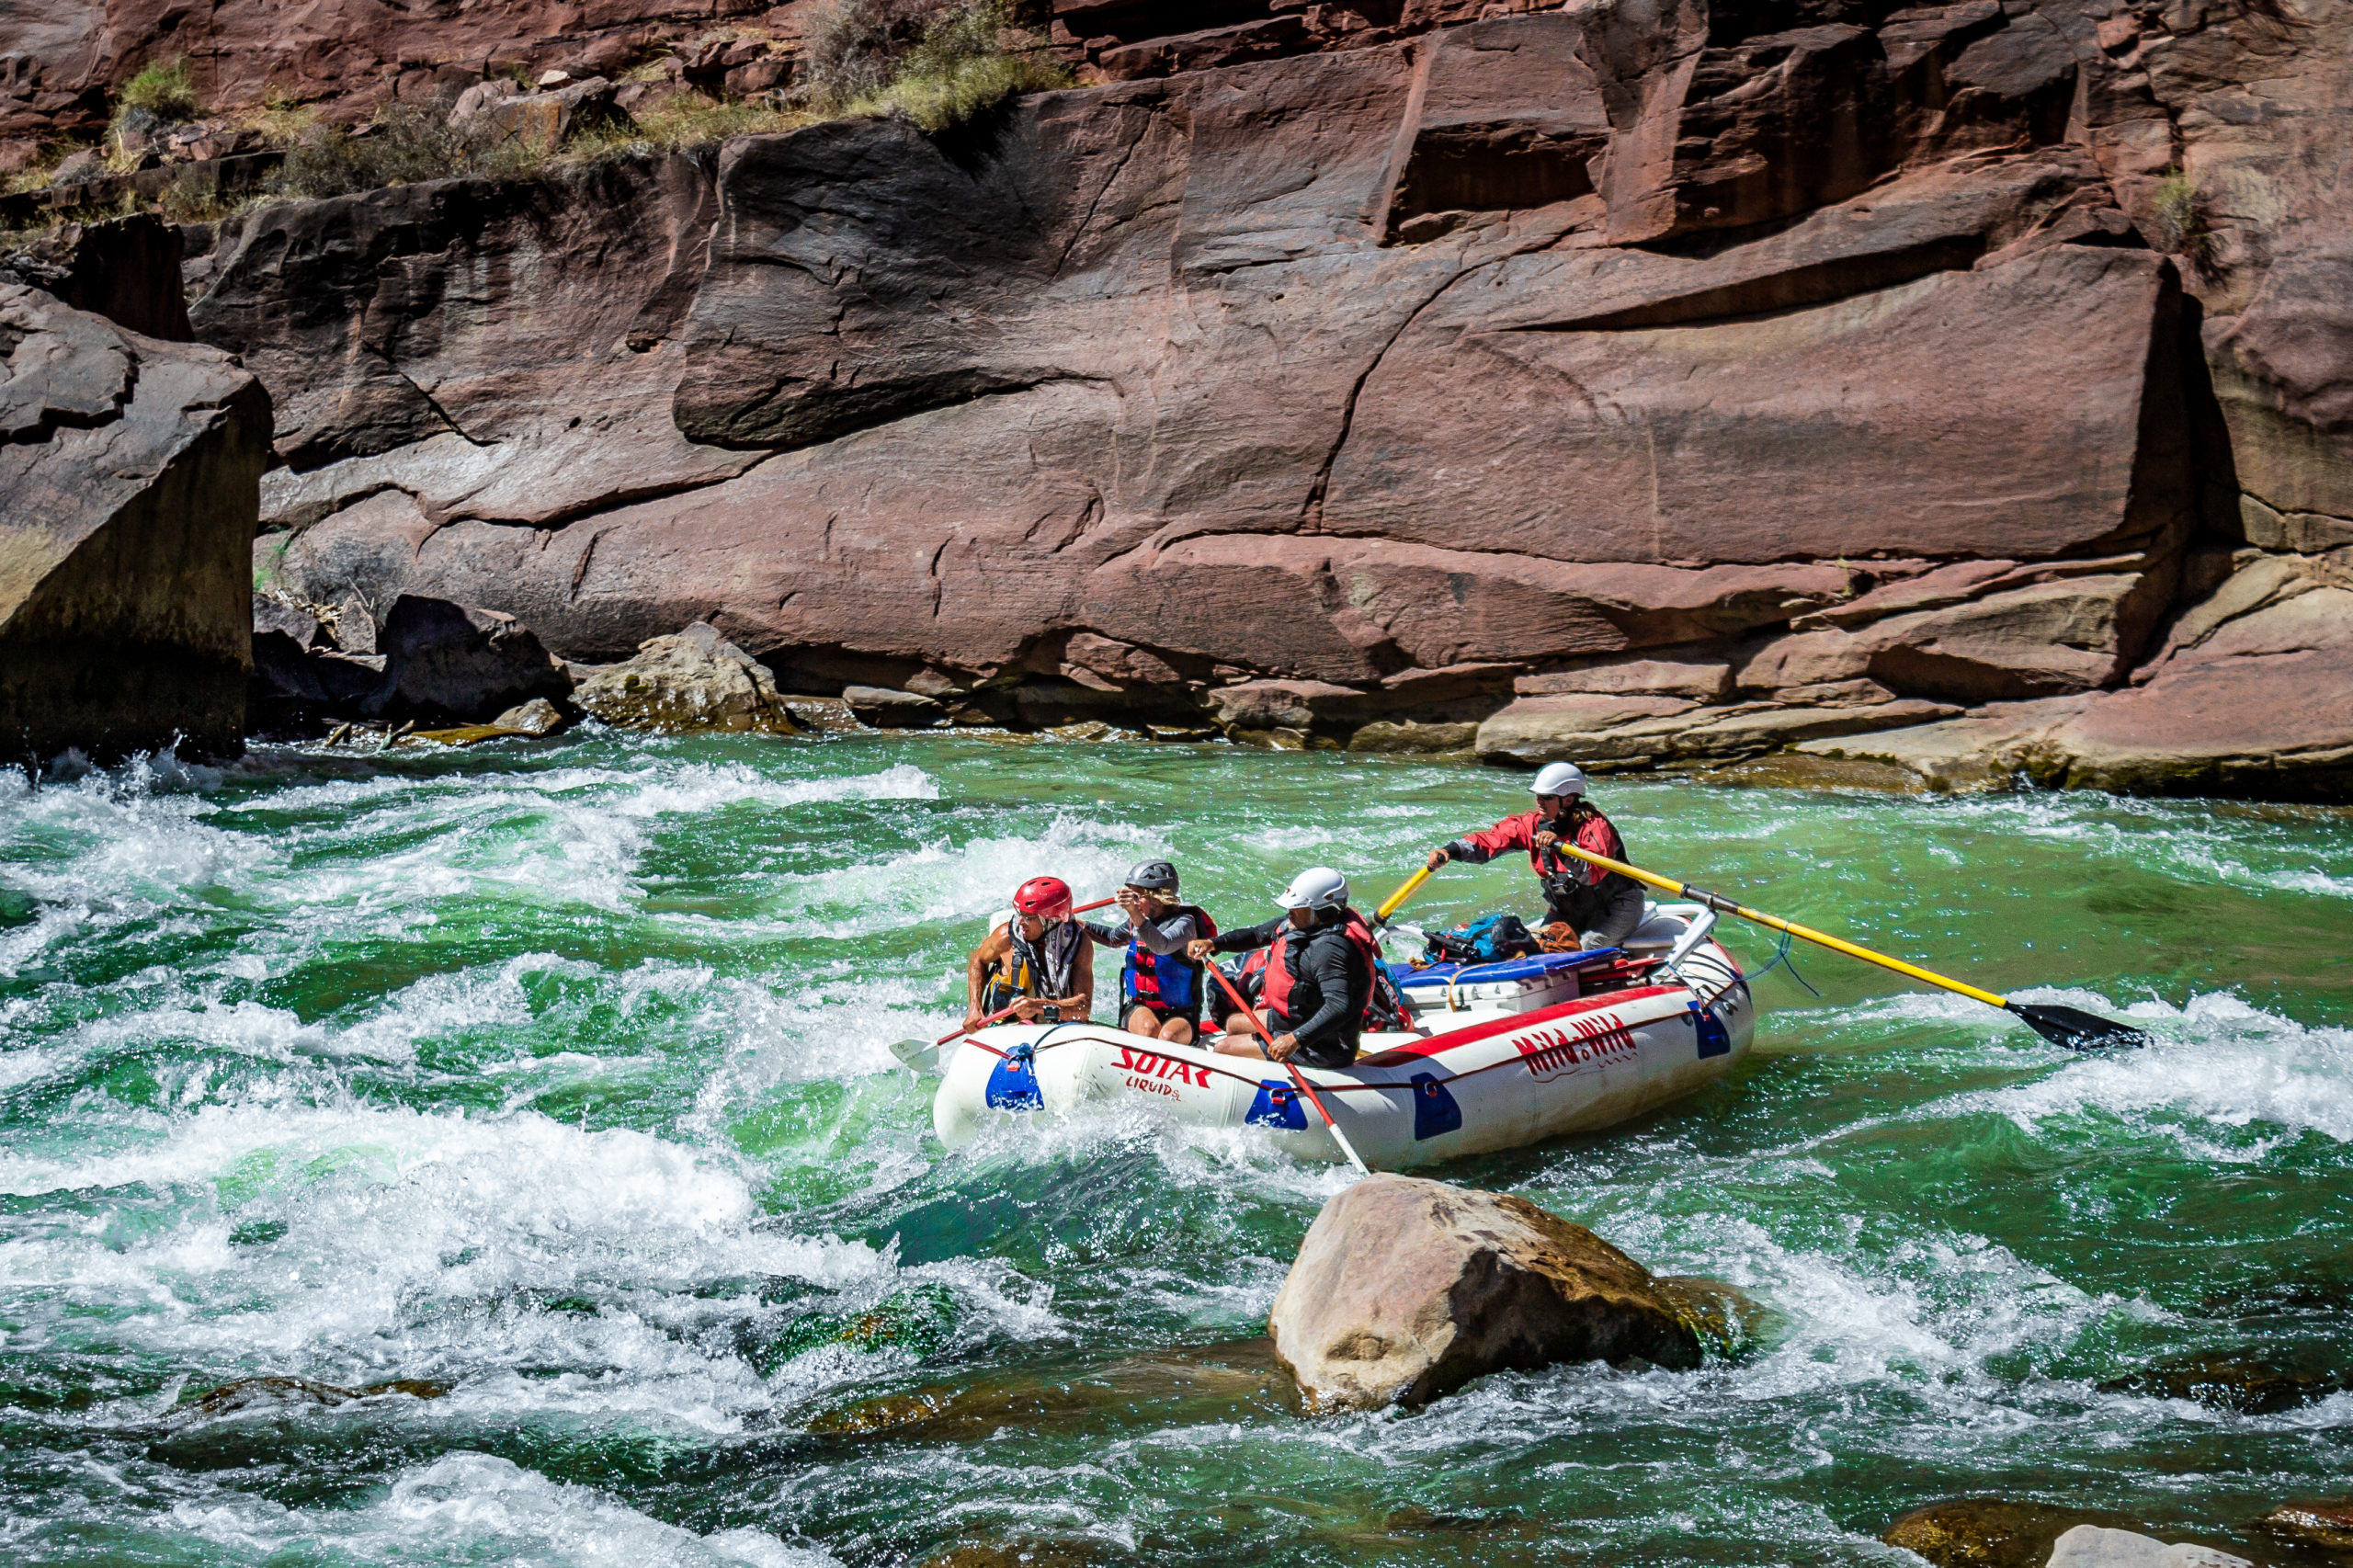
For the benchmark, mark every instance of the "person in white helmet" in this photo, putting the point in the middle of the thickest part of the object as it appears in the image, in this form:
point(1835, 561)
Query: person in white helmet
point(1319, 978)
point(1597, 908)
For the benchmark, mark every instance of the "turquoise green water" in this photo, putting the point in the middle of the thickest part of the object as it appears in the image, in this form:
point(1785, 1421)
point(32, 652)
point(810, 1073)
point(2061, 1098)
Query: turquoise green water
point(558, 1074)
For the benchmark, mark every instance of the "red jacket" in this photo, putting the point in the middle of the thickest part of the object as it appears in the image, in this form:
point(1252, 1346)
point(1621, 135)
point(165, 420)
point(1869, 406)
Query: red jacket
point(1594, 835)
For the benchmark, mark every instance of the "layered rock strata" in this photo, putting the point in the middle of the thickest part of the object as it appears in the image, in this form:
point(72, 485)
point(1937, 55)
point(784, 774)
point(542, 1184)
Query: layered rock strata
point(1645, 383)
point(130, 472)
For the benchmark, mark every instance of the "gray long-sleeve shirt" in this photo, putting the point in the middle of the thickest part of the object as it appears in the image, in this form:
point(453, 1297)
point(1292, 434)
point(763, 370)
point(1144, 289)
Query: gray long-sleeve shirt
point(1167, 935)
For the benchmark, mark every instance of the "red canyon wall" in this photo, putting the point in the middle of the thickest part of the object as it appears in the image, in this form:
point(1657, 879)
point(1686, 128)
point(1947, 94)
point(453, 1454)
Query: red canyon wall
point(1634, 381)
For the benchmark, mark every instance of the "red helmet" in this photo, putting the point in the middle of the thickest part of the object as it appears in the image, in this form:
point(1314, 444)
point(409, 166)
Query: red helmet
point(1048, 898)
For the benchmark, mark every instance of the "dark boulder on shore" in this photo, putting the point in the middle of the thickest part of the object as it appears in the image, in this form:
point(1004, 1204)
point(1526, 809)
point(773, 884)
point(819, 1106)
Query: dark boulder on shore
point(429, 661)
point(1405, 1289)
point(129, 474)
point(460, 662)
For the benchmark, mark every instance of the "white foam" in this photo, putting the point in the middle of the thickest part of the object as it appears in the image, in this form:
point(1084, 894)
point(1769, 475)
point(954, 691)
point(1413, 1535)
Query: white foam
point(2219, 1060)
point(387, 1213)
point(475, 1507)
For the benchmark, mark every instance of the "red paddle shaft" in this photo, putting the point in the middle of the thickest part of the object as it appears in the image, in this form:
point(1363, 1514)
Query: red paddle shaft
point(1004, 1013)
point(1296, 1076)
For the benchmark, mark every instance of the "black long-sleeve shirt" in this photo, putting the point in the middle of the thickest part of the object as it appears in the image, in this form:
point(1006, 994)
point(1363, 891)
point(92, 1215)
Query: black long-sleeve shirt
point(1330, 984)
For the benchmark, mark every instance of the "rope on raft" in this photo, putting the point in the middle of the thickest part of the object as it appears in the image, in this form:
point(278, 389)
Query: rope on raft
point(1783, 960)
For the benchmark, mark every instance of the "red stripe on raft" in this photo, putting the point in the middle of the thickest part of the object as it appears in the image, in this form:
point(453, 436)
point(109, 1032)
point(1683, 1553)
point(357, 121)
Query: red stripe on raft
point(1397, 1056)
point(1510, 1024)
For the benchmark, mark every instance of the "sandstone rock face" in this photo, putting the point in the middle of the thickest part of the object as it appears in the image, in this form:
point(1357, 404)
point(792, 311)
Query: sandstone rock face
point(1405, 1289)
point(695, 680)
point(66, 61)
point(2250, 694)
point(129, 490)
point(1883, 362)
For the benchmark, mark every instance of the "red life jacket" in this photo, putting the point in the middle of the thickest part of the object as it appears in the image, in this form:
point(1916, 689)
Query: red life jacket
point(1169, 981)
point(1550, 864)
point(1276, 995)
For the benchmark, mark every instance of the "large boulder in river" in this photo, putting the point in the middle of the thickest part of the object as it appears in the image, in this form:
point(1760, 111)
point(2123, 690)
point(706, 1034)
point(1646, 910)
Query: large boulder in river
point(695, 680)
point(1405, 1289)
point(130, 472)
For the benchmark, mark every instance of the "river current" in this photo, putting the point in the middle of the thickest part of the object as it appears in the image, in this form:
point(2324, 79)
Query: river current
point(552, 1080)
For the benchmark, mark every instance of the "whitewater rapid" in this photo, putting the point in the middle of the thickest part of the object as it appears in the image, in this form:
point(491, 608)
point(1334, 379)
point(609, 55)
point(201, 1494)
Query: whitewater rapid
point(557, 1078)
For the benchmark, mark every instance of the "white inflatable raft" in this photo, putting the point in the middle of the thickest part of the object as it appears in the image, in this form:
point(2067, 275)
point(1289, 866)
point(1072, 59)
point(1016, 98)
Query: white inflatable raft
point(1500, 1055)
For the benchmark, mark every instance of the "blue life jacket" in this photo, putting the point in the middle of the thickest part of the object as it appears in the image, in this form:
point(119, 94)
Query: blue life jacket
point(1170, 981)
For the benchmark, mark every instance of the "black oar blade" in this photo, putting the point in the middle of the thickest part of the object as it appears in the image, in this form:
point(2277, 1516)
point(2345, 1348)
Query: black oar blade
point(2076, 1029)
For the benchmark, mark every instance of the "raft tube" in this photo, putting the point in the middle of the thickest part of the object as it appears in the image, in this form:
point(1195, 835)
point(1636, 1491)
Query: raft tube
point(1500, 1055)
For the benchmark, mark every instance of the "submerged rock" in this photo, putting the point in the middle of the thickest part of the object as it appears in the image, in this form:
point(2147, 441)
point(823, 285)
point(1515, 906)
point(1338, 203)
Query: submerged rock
point(1988, 1532)
point(129, 474)
point(257, 1395)
point(1727, 1320)
point(2325, 1525)
point(1405, 1289)
point(693, 681)
point(1192, 1384)
point(2252, 1382)
point(1027, 1552)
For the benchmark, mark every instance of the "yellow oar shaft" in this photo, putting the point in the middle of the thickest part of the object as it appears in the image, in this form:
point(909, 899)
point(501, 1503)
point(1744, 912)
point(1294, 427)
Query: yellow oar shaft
point(1401, 894)
point(1836, 943)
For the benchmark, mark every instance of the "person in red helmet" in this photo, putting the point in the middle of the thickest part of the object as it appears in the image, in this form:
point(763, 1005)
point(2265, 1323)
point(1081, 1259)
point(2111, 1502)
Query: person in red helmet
point(1040, 962)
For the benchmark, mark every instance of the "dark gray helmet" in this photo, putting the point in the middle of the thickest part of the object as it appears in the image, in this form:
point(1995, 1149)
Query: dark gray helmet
point(1153, 875)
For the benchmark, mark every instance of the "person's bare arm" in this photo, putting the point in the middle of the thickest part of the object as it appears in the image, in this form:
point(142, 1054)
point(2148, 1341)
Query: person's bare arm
point(985, 957)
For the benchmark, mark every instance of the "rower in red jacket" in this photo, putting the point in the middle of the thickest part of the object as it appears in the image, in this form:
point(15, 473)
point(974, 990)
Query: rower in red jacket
point(1601, 908)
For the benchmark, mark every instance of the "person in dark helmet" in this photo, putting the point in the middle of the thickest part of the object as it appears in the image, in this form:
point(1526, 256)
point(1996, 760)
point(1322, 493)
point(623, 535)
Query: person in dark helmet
point(1040, 962)
point(1584, 903)
point(1319, 976)
point(1161, 984)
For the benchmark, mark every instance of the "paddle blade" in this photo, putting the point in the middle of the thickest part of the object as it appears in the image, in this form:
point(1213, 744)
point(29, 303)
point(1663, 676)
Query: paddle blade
point(2076, 1029)
point(923, 1055)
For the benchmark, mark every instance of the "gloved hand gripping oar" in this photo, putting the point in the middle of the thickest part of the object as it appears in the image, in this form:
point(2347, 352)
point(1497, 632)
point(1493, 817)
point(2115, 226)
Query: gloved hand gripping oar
point(1296, 1076)
point(2070, 1026)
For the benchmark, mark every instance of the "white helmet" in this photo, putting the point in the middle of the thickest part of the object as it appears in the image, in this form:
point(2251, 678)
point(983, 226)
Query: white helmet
point(1560, 778)
point(1318, 887)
